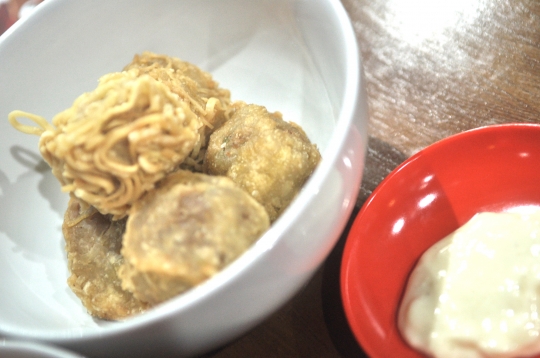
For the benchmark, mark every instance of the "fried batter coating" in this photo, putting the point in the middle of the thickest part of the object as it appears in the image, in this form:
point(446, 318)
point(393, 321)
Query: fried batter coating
point(93, 243)
point(194, 86)
point(269, 158)
point(184, 232)
point(117, 141)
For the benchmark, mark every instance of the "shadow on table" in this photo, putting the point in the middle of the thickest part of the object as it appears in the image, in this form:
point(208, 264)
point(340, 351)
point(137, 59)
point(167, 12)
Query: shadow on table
point(381, 159)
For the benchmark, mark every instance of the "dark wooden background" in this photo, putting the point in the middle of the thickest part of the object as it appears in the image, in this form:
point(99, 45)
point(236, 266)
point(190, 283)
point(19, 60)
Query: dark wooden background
point(433, 68)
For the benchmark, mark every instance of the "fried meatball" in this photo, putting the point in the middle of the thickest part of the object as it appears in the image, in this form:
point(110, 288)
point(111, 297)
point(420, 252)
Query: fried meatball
point(269, 158)
point(193, 85)
point(185, 231)
point(188, 81)
point(93, 243)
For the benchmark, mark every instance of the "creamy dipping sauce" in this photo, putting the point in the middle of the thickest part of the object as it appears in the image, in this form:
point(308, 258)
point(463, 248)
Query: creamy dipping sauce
point(476, 293)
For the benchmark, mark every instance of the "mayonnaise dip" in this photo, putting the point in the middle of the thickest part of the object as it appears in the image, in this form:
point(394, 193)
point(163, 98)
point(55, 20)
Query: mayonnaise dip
point(476, 293)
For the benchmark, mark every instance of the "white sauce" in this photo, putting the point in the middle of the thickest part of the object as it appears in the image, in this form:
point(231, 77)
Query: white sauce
point(476, 293)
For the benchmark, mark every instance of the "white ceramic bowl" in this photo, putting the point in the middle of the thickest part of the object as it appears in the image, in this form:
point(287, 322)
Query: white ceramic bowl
point(296, 56)
point(21, 349)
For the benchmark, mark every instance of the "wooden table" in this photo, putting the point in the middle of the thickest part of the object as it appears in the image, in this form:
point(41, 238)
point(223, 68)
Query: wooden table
point(433, 68)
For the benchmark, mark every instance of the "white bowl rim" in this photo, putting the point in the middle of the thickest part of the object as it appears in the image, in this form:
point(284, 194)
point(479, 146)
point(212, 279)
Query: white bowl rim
point(26, 347)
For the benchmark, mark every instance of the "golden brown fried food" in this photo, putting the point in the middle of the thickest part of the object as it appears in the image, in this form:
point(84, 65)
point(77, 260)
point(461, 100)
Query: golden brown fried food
point(194, 86)
point(117, 141)
point(122, 149)
point(93, 243)
point(269, 158)
point(184, 232)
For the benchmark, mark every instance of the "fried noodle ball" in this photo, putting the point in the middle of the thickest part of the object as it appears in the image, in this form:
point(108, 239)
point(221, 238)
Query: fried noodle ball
point(269, 158)
point(117, 141)
point(184, 232)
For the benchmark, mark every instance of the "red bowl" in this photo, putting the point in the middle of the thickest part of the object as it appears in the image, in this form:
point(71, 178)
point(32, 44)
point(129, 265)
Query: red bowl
point(494, 168)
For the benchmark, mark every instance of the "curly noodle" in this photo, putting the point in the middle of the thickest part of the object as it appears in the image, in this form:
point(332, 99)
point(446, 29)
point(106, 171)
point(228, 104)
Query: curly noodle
point(117, 141)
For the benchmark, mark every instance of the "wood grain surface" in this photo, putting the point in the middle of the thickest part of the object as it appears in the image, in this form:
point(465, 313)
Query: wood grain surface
point(433, 68)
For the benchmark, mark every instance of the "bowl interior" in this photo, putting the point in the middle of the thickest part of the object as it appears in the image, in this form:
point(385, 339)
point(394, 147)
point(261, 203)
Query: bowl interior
point(494, 168)
point(266, 52)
